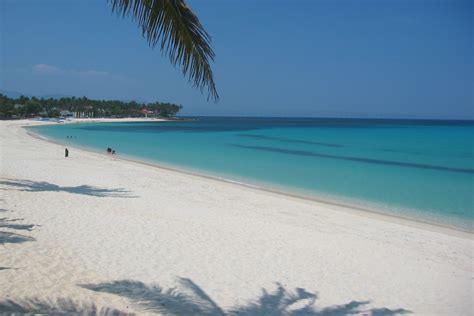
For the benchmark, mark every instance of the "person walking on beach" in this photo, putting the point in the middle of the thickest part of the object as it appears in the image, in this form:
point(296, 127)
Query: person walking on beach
point(66, 152)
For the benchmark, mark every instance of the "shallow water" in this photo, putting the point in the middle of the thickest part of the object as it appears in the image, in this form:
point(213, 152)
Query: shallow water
point(417, 169)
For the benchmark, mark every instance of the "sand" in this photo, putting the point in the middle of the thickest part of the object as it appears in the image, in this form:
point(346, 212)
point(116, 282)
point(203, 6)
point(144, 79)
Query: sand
point(119, 235)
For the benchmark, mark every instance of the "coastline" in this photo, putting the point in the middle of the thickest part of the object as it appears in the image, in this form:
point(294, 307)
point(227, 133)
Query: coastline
point(341, 206)
point(102, 221)
point(94, 120)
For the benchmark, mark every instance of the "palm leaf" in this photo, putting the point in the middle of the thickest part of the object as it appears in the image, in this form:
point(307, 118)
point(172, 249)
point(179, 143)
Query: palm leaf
point(172, 26)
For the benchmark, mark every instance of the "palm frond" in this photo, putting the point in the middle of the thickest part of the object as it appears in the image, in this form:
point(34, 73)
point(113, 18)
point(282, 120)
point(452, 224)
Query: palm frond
point(172, 26)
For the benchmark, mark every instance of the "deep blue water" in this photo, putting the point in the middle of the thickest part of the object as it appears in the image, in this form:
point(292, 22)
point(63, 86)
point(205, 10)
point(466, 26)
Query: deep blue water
point(419, 169)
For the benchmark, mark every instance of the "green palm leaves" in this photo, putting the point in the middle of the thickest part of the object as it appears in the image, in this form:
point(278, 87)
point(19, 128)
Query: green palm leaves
point(172, 26)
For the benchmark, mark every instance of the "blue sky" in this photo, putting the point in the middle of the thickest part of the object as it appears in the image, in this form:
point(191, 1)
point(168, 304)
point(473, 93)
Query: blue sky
point(275, 58)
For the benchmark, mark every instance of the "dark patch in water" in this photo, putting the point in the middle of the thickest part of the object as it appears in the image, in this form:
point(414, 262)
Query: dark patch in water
point(358, 159)
point(289, 140)
point(226, 124)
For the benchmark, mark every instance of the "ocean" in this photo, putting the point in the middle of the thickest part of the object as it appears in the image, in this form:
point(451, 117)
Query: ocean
point(419, 169)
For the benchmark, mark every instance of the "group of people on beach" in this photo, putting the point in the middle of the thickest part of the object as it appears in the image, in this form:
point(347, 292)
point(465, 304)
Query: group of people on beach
point(70, 136)
point(109, 151)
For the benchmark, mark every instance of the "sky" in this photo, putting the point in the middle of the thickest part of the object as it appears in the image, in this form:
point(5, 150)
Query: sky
point(306, 58)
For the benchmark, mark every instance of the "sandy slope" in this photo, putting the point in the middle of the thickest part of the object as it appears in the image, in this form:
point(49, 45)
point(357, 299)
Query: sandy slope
point(100, 220)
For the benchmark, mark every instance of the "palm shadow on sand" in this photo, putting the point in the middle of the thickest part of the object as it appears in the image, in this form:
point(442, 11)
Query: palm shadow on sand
point(14, 238)
point(5, 223)
point(61, 306)
point(43, 186)
point(6, 268)
point(193, 300)
point(190, 299)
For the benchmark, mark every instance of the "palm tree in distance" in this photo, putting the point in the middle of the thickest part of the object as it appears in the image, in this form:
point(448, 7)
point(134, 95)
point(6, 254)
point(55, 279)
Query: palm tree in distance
point(176, 30)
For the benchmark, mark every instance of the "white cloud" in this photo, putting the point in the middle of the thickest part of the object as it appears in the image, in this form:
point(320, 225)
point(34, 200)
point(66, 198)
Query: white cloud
point(46, 69)
point(92, 73)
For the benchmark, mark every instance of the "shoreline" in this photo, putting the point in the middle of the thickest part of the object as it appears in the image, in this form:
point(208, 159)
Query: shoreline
point(317, 201)
point(102, 230)
point(94, 120)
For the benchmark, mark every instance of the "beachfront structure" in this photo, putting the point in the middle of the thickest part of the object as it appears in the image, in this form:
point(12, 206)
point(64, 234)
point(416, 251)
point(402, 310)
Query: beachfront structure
point(83, 114)
point(149, 112)
point(65, 113)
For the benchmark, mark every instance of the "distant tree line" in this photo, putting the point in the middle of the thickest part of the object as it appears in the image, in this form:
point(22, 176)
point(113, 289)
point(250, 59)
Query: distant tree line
point(25, 107)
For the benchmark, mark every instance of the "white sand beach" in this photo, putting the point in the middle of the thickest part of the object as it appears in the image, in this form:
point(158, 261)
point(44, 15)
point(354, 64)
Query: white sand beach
point(121, 235)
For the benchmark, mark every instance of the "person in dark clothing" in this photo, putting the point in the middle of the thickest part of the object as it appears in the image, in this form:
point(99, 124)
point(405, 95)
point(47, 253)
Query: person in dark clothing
point(66, 153)
point(109, 150)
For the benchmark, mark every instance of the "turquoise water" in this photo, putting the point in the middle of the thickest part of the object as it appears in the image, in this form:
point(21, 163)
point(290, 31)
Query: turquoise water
point(416, 169)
